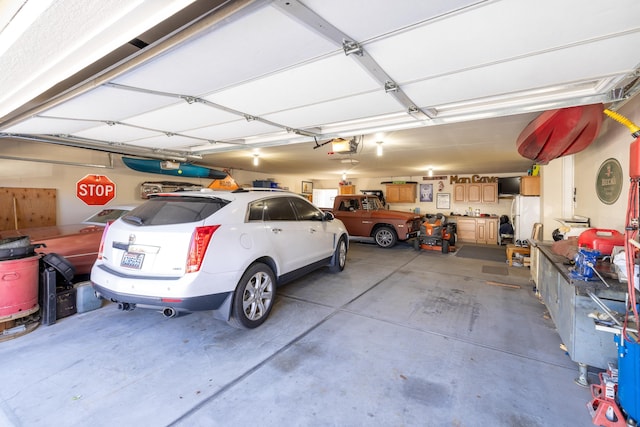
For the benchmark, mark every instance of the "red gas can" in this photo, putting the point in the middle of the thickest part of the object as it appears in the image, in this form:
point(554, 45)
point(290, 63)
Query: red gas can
point(601, 240)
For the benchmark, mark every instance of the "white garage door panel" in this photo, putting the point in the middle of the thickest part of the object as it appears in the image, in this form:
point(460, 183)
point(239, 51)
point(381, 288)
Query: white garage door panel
point(48, 125)
point(115, 133)
point(356, 107)
point(255, 45)
point(233, 130)
point(329, 78)
point(572, 65)
point(382, 16)
point(182, 117)
point(108, 103)
point(458, 43)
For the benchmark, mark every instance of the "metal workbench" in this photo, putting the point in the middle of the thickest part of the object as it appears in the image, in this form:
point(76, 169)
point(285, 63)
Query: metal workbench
point(569, 305)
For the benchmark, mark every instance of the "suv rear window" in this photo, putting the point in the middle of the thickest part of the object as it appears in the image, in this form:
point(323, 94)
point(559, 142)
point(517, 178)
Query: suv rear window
point(167, 210)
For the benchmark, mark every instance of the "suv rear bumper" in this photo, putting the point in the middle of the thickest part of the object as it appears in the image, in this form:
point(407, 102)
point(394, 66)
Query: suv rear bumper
point(198, 303)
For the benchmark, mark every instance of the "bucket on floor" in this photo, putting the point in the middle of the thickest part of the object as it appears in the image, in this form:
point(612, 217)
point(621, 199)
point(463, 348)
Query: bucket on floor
point(628, 376)
point(18, 285)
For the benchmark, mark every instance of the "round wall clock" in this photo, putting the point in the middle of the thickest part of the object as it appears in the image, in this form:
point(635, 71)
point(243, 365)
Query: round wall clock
point(609, 181)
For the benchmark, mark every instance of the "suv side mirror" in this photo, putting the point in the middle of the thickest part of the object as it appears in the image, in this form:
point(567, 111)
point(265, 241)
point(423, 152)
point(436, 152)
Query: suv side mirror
point(328, 216)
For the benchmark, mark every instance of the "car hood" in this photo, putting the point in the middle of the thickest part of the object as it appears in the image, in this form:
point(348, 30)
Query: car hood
point(44, 233)
point(384, 213)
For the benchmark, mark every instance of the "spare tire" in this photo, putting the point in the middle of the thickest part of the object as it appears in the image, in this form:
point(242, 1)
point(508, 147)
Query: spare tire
point(15, 248)
point(14, 242)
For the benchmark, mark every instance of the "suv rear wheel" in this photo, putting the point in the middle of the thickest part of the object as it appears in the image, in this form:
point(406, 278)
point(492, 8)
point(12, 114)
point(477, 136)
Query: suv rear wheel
point(254, 297)
point(385, 237)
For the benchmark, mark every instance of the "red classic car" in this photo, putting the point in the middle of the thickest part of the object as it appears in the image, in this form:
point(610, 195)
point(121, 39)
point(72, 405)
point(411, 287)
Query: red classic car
point(78, 243)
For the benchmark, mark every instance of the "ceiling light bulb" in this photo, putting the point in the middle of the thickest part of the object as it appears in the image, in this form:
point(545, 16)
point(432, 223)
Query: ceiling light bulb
point(256, 159)
point(379, 149)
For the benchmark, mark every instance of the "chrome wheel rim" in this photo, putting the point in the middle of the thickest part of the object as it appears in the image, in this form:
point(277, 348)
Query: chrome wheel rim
point(257, 296)
point(384, 238)
point(342, 253)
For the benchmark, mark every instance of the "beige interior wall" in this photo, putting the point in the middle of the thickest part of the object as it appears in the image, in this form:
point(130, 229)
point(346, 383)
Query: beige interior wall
point(61, 168)
point(613, 142)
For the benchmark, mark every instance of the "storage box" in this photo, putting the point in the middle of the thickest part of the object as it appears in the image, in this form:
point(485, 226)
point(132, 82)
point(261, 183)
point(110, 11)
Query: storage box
point(86, 299)
point(265, 184)
point(65, 302)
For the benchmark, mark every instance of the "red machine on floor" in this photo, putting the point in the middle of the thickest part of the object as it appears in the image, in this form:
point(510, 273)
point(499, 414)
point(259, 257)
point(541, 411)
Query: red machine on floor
point(437, 234)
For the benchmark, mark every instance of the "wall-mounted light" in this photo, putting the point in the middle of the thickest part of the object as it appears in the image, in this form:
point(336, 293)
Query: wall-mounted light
point(256, 159)
point(344, 176)
point(430, 171)
point(379, 148)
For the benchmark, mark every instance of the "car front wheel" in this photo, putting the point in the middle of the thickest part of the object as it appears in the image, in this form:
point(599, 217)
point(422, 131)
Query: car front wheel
point(385, 237)
point(339, 256)
point(254, 297)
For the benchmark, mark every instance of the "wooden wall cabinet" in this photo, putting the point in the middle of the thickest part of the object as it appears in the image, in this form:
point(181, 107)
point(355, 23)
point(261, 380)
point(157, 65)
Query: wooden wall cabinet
point(347, 189)
point(530, 185)
point(490, 192)
point(486, 192)
point(459, 193)
point(401, 193)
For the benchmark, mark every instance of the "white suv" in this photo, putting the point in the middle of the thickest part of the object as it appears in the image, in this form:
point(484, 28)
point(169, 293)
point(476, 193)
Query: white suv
point(215, 250)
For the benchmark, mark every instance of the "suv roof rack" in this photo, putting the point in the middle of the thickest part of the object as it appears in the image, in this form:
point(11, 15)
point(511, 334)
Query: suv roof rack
point(266, 189)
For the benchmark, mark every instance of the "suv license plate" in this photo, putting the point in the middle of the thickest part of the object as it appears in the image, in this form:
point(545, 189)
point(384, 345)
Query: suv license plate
point(132, 260)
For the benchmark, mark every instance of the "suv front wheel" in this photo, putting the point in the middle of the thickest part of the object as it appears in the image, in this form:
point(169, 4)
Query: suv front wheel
point(254, 297)
point(339, 256)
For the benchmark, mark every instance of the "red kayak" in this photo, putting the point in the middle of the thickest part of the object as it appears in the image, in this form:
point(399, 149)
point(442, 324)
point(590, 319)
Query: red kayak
point(558, 133)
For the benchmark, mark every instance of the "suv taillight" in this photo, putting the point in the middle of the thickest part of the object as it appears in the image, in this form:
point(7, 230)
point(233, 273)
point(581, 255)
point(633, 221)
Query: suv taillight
point(198, 246)
point(104, 234)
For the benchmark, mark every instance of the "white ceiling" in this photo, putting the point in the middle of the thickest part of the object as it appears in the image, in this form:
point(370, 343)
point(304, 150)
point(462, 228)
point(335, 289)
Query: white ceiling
point(463, 79)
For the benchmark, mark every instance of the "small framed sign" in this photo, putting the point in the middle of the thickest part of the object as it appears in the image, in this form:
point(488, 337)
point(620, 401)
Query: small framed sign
point(426, 192)
point(609, 181)
point(307, 187)
point(443, 201)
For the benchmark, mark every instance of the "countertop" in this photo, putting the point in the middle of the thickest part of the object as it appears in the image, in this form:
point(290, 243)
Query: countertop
point(564, 266)
point(473, 216)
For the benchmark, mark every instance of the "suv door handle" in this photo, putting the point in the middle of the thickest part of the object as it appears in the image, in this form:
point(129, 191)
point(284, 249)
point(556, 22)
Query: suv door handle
point(276, 230)
point(312, 230)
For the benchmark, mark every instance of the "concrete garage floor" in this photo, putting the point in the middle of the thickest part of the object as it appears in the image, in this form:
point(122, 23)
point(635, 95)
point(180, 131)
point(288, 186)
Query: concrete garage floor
point(400, 338)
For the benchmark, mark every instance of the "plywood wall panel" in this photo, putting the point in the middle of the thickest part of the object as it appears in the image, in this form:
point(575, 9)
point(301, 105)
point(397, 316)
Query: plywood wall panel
point(27, 207)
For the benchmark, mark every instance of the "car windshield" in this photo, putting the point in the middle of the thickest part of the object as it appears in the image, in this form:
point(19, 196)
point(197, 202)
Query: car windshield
point(166, 210)
point(106, 215)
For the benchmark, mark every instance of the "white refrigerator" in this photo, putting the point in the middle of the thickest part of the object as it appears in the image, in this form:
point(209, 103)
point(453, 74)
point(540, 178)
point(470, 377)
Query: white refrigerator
point(525, 211)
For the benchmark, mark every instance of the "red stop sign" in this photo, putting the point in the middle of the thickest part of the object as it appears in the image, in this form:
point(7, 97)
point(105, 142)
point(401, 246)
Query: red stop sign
point(95, 189)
